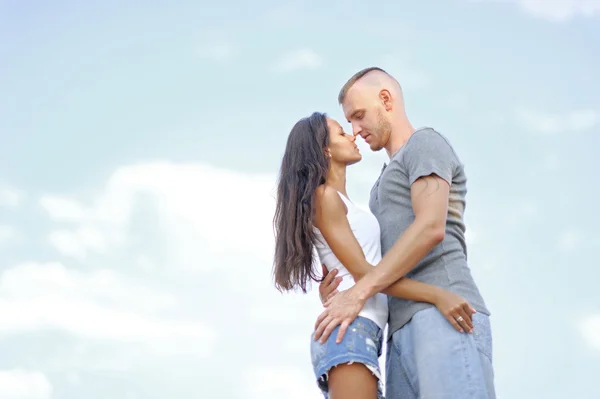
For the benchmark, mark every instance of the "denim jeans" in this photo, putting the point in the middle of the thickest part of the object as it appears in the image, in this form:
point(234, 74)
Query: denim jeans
point(362, 343)
point(428, 359)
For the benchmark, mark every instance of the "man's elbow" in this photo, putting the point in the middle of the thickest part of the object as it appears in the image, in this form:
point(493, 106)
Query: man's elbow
point(434, 232)
point(437, 235)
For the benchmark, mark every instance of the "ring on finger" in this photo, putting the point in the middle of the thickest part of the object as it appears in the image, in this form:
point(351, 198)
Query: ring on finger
point(459, 319)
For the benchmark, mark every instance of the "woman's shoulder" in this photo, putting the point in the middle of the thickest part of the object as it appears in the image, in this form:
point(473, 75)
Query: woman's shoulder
point(328, 198)
point(325, 191)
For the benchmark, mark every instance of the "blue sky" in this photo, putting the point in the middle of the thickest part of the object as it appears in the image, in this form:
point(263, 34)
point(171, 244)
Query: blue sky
point(139, 145)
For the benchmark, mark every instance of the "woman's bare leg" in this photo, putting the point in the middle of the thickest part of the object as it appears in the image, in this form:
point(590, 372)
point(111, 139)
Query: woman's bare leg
point(352, 381)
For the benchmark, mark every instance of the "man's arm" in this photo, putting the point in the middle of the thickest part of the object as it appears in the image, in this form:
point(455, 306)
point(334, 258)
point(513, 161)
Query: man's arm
point(331, 219)
point(429, 196)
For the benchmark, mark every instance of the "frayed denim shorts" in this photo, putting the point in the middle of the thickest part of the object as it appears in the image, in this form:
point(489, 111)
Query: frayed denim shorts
point(361, 344)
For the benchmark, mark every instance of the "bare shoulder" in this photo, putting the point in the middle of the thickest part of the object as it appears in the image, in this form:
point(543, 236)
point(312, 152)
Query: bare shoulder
point(328, 200)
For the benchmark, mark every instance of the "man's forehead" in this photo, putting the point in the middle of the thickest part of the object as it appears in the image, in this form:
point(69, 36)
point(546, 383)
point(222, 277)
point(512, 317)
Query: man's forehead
point(350, 103)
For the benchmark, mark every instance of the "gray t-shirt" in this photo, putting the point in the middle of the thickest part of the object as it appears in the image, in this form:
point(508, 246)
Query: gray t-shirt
point(426, 152)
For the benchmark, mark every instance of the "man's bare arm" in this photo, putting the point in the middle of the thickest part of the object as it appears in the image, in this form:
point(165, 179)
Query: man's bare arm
point(429, 195)
point(331, 219)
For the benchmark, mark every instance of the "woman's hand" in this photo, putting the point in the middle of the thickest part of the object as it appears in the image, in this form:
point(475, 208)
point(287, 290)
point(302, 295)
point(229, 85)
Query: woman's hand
point(329, 285)
point(456, 309)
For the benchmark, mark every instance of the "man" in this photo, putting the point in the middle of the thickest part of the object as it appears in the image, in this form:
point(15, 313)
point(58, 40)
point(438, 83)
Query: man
point(419, 201)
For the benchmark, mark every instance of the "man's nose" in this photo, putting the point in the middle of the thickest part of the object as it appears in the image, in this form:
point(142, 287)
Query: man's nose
point(356, 130)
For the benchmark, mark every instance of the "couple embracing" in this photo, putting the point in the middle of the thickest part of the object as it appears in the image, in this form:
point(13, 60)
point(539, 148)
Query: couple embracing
point(403, 264)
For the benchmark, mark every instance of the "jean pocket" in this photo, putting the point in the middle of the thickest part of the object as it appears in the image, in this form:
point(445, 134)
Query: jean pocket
point(482, 333)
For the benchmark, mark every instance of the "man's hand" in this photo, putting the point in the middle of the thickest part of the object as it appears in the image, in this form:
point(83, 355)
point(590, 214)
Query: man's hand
point(341, 309)
point(329, 285)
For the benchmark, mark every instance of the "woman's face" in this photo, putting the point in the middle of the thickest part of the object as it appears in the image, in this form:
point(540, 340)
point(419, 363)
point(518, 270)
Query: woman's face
point(341, 146)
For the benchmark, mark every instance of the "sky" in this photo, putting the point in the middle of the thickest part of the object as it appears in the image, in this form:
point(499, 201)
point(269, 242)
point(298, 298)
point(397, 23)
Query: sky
point(139, 148)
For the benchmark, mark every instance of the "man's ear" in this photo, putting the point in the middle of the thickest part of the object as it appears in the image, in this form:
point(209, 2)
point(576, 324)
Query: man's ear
point(386, 98)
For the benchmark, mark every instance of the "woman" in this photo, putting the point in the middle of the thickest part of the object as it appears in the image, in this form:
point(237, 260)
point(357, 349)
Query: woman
point(313, 212)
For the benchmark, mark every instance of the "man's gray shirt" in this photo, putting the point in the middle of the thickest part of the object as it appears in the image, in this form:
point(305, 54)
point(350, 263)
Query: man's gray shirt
point(426, 152)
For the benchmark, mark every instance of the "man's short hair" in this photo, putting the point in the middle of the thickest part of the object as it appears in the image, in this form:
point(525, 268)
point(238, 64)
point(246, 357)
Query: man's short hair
point(354, 79)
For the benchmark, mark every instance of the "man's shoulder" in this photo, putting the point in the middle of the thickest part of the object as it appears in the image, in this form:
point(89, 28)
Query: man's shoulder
point(427, 135)
point(430, 142)
point(419, 141)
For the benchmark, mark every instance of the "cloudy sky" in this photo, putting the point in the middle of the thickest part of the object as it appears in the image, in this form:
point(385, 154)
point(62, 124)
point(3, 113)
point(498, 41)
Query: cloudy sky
point(139, 146)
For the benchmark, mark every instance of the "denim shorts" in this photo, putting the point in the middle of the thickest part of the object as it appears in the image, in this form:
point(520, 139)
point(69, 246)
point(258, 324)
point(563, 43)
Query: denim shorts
point(361, 344)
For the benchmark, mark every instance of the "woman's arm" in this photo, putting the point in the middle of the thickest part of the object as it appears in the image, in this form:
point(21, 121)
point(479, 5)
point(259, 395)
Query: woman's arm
point(331, 220)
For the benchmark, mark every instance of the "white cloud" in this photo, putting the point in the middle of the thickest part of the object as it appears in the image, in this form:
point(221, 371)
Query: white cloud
point(21, 384)
point(570, 122)
point(54, 280)
point(191, 212)
point(99, 305)
point(554, 10)
point(9, 197)
point(297, 60)
point(79, 242)
point(590, 329)
point(62, 209)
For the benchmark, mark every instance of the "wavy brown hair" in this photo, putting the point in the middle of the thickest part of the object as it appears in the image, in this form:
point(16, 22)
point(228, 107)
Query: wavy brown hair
point(303, 168)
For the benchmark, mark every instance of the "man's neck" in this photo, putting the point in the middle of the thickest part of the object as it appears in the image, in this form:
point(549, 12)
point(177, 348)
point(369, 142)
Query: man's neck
point(399, 137)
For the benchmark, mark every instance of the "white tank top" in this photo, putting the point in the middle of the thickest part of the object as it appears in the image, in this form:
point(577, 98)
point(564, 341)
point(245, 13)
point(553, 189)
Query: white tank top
point(366, 230)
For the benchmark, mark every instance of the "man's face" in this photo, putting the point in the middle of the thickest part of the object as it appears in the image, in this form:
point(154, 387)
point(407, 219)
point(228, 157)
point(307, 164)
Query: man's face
point(365, 111)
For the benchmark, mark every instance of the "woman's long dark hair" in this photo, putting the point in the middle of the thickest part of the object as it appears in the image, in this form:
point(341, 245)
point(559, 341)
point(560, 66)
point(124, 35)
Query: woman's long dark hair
point(303, 168)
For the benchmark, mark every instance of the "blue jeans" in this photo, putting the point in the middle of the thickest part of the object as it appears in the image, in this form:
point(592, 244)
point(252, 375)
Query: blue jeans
point(428, 359)
point(361, 344)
